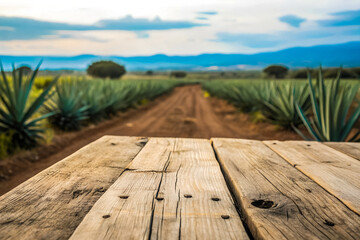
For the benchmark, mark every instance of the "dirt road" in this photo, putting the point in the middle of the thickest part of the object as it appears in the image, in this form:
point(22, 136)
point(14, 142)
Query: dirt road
point(183, 113)
point(186, 113)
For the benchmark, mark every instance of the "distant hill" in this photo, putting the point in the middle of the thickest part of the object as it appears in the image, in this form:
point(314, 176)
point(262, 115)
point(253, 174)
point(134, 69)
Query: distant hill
point(347, 55)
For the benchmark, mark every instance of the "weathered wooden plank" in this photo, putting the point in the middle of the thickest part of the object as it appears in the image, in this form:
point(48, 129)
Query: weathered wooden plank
point(152, 199)
point(277, 200)
point(337, 172)
point(125, 210)
point(51, 204)
point(350, 148)
point(196, 201)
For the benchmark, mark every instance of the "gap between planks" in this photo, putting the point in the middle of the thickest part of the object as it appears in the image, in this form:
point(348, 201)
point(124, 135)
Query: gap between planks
point(350, 148)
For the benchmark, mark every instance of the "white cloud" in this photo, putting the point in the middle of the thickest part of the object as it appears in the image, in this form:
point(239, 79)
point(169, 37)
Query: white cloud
point(234, 16)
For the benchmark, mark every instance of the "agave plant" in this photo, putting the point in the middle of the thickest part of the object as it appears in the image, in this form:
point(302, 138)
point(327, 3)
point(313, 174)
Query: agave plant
point(112, 96)
point(331, 120)
point(19, 115)
point(67, 107)
point(94, 98)
point(280, 108)
point(119, 100)
point(245, 95)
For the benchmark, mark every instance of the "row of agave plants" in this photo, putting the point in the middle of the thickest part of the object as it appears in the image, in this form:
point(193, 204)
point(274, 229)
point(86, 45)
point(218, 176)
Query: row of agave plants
point(64, 104)
point(329, 109)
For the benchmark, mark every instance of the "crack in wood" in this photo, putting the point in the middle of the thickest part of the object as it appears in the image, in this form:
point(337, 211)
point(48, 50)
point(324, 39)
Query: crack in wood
point(157, 193)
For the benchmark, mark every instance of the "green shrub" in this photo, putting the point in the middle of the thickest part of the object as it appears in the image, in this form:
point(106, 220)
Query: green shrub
point(26, 69)
point(276, 71)
point(345, 73)
point(19, 115)
point(301, 73)
point(149, 73)
point(106, 69)
point(178, 74)
point(356, 70)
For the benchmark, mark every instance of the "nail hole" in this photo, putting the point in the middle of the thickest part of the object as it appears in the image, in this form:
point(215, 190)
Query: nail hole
point(262, 204)
point(225, 216)
point(326, 161)
point(331, 224)
point(141, 143)
point(159, 198)
point(113, 144)
point(274, 143)
point(309, 190)
point(308, 145)
point(187, 196)
point(106, 216)
point(123, 197)
point(215, 199)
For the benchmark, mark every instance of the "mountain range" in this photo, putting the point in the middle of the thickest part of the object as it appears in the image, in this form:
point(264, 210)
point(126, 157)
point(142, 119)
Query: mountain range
point(346, 55)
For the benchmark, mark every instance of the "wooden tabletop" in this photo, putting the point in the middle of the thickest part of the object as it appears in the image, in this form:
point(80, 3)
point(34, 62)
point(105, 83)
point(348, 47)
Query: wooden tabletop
point(172, 188)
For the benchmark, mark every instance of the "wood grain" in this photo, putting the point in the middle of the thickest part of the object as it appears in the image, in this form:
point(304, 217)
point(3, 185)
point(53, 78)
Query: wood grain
point(277, 200)
point(51, 204)
point(125, 210)
point(337, 172)
point(197, 203)
point(350, 148)
point(166, 194)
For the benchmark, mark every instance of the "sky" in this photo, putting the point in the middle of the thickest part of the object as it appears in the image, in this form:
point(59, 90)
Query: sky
point(176, 27)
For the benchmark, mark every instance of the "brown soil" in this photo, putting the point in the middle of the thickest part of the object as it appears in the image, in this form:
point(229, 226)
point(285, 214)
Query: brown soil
point(183, 113)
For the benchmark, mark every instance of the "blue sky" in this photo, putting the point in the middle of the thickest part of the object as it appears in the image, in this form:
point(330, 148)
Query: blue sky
point(292, 20)
point(42, 27)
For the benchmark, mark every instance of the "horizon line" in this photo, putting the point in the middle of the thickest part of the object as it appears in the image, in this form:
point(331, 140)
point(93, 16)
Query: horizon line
point(168, 55)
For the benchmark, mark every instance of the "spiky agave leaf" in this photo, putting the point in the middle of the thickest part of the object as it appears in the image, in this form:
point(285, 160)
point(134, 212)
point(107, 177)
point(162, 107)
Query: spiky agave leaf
point(17, 113)
point(66, 104)
point(93, 98)
point(280, 108)
point(332, 120)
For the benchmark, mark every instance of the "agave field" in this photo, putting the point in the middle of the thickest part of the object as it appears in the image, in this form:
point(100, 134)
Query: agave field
point(328, 109)
point(30, 104)
point(321, 110)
